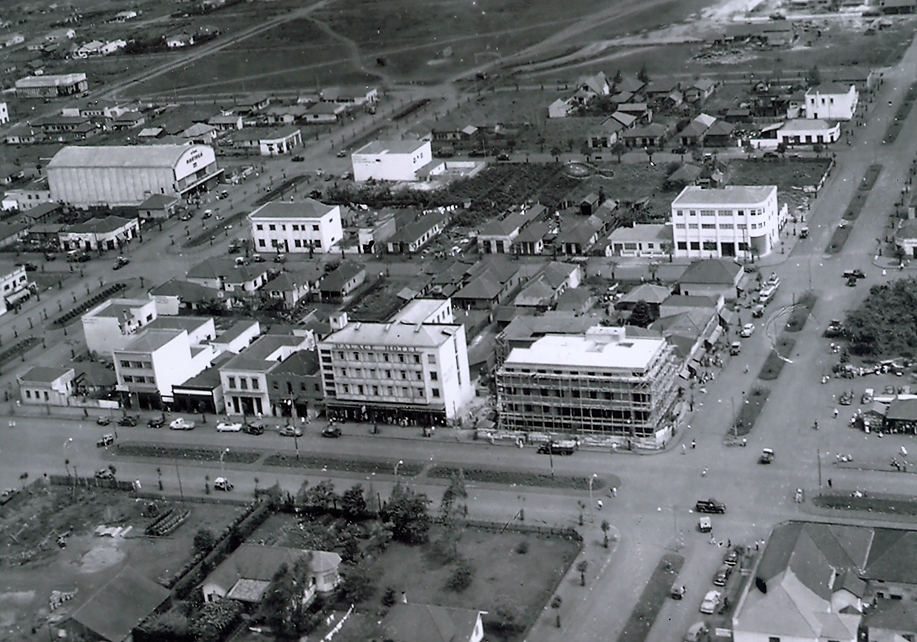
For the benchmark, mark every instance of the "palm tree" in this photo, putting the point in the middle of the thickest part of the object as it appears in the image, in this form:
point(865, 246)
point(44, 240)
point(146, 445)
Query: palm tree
point(581, 569)
point(207, 484)
point(555, 604)
point(605, 526)
point(67, 466)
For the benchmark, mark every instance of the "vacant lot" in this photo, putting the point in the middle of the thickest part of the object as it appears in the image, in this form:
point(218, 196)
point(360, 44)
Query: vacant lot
point(792, 176)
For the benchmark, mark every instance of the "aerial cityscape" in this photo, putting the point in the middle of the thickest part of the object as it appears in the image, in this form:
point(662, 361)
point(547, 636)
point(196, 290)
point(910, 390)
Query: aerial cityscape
point(465, 321)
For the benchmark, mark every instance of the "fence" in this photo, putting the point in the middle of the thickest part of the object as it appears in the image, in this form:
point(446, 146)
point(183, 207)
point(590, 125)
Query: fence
point(518, 527)
point(90, 482)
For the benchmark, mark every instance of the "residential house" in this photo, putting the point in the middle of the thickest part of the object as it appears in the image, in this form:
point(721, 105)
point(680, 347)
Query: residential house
point(414, 230)
point(158, 207)
point(650, 293)
point(652, 135)
point(831, 101)
point(99, 234)
point(96, 618)
point(176, 296)
point(115, 322)
point(803, 131)
point(700, 91)
point(226, 122)
point(576, 300)
point(237, 337)
point(531, 239)
point(281, 141)
point(627, 120)
point(23, 134)
point(245, 575)
point(351, 96)
point(245, 376)
point(631, 85)
point(488, 283)
point(300, 227)
point(342, 281)
point(29, 197)
point(647, 240)
point(640, 111)
point(560, 108)
point(291, 286)
point(429, 623)
point(324, 113)
point(687, 174)
point(295, 386)
point(200, 134)
point(605, 134)
point(498, 236)
point(719, 134)
point(712, 278)
point(398, 160)
point(225, 274)
point(285, 114)
point(180, 41)
point(46, 385)
point(906, 237)
point(577, 238)
point(693, 134)
point(591, 87)
point(657, 91)
point(128, 120)
point(546, 286)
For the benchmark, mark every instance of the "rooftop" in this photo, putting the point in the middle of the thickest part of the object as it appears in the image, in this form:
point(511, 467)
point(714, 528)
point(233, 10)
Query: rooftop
point(120, 156)
point(119, 307)
point(151, 340)
point(44, 374)
point(714, 271)
point(806, 124)
point(392, 147)
point(136, 598)
point(739, 195)
point(186, 291)
point(100, 225)
point(260, 355)
point(834, 88)
point(283, 132)
point(308, 208)
point(394, 334)
point(600, 348)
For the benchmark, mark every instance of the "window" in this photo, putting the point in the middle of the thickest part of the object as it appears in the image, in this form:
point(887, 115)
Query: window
point(391, 391)
point(710, 245)
point(708, 213)
point(343, 372)
point(125, 364)
point(400, 358)
point(419, 392)
point(434, 392)
point(346, 389)
point(431, 358)
point(682, 245)
point(356, 356)
point(434, 376)
point(404, 375)
point(419, 376)
point(297, 243)
point(385, 358)
point(376, 391)
point(28, 393)
point(708, 226)
point(46, 398)
point(695, 245)
point(416, 358)
point(243, 383)
point(128, 379)
point(315, 228)
point(404, 391)
point(692, 226)
point(295, 227)
point(360, 390)
point(283, 228)
point(340, 355)
point(261, 243)
point(388, 374)
point(272, 227)
point(773, 639)
point(232, 382)
point(256, 385)
point(259, 226)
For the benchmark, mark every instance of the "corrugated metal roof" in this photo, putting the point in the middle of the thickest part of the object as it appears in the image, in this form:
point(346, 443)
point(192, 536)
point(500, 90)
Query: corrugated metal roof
point(120, 156)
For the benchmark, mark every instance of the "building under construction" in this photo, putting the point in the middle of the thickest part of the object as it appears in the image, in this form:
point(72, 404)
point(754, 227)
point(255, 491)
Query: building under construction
point(600, 383)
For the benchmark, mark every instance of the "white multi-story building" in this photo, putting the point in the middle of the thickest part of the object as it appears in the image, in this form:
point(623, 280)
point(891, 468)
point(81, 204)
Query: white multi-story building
point(831, 101)
point(394, 372)
point(601, 383)
point(296, 227)
point(160, 357)
point(113, 324)
point(391, 160)
point(244, 377)
point(734, 221)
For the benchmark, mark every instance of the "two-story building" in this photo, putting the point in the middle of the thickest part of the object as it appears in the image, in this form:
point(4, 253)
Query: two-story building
point(245, 376)
point(113, 324)
point(397, 160)
point(831, 101)
point(298, 227)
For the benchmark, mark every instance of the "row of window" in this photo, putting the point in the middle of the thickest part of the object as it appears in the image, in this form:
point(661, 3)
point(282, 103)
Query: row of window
point(302, 387)
point(627, 397)
point(712, 246)
point(372, 373)
point(390, 391)
point(722, 226)
point(28, 395)
point(619, 414)
point(243, 383)
point(386, 357)
point(138, 379)
point(136, 364)
point(752, 212)
point(316, 244)
point(283, 228)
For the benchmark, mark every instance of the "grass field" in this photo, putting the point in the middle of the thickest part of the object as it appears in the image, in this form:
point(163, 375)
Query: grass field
point(748, 414)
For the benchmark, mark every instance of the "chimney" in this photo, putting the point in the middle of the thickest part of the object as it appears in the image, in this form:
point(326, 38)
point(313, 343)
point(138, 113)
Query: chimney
point(338, 321)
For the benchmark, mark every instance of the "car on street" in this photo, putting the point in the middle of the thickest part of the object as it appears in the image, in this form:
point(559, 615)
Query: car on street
point(280, 258)
point(710, 506)
point(846, 398)
point(221, 483)
point(677, 591)
point(770, 155)
point(722, 575)
point(8, 495)
point(225, 426)
point(698, 632)
point(835, 329)
point(852, 282)
point(207, 213)
point(254, 428)
point(332, 432)
point(185, 217)
point(711, 600)
point(767, 456)
point(104, 473)
point(121, 262)
point(758, 311)
point(289, 431)
point(341, 154)
point(181, 424)
point(747, 330)
point(103, 421)
point(731, 558)
point(565, 447)
point(128, 420)
point(503, 157)
point(298, 159)
point(156, 422)
point(704, 525)
point(106, 440)
point(856, 274)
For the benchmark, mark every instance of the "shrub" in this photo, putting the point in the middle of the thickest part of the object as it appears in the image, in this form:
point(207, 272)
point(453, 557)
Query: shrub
point(388, 598)
point(204, 541)
point(461, 577)
point(522, 547)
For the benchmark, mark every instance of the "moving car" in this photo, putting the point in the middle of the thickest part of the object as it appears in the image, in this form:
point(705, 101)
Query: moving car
point(503, 157)
point(208, 213)
point(767, 456)
point(747, 330)
point(704, 525)
point(254, 428)
point(221, 483)
point(852, 282)
point(332, 431)
point(846, 398)
point(103, 421)
point(735, 348)
point(121, 262)
point(710, 506)
point(128, 420)
point(298, 159)
point(677, 591)
point(181, 424)
point(565, 447)
point(290, 431)
point(104, 473)
point(341, 154)
point(711, 600)
point(156, 422)
point(856, 274)
point(697, 633)
point(835, 329)
point(758, 311)
point(225, 426)
point(106, 440)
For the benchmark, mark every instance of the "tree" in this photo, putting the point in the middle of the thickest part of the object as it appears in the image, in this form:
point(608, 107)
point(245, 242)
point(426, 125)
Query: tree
point(818, 148)
point(407, 512)
point(283, 598)
point(353, 502)
point(207, 484)
point(643, 75)
point(605, 526)
point(321, 496)
point(461, 577)
point(351, 550)
point(581, 568)
point(641, 316)
point(618, 77)
point(170, 625)
point(650, 150)
point(555, 604)
point(813, 77)
point(357, 582)
point(618, 149)
point(67, 466)
point(113, 470)
point(204, 541)
point(781, 148)
point(556, 152)
point(214, 619)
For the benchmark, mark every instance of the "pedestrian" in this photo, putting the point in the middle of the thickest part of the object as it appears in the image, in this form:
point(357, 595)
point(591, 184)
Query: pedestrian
point(684, 451)
point(614, 491)
point(746, 369)
point(693, 444)
point(830, 483)
point(600, 504)
point(835, 413)
point(703, 473)
point(728, 543)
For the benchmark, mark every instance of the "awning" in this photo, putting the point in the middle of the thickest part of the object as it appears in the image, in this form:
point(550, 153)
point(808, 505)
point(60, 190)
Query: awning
point(17, 297)
point(190, 187)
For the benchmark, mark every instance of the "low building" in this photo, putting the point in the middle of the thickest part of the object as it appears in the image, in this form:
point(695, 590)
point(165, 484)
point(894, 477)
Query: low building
point(693, 134)
point(351, 96)
point(412, 234)
point(158, 207)
point(113, 324)
point(225, 274)
point(648, 240)
point(295, 386)
point(342, 281)
point(281, 141)
point(560, 108)
point(46, 385)
point(99, 234)
point(408, 622)
point(51, 86)
point(606, 134)
point(803, 131)
point(601, 383)
point(297, 227)
point(831, 101)
point(734, 221)
point(35, 193)
point(398, 160)
point(712, 278)
point(226, 122)
point(245, 575)
point(388, 372)
point(490, 282)
point(245, 376)
point(292, 286)
point(324, 113)
point(498, 236)
point(203, 392)
point(906, 236)
point(652, 135)
point(176, 296)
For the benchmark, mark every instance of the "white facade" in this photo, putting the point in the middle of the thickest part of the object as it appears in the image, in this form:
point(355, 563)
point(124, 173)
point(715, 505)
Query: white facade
point(385, 371)
point(13, 279)
point(831, 102)
point(157, 359)
point(735, 221)
point(244, 377)
point(296, 227)
point(397, 160)
point(805, 131)
point(4, 114)
point(127, 176)
point(280, 142)
point(114, 323)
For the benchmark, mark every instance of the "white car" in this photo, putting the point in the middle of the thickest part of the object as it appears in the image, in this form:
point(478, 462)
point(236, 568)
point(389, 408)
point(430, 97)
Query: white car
point(711, 601)
point(748, 329)
point(221, 483)
point(225, 426)
point(181, 424)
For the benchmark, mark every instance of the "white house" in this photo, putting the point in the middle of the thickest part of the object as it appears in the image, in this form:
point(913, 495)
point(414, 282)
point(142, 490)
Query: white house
point(46, 385)
point(391, 160)
point(560, 108)
point(733, 221)
point(651, 240)
point(280, 141)
point(805, 131)
point(831, 101)
point(4, 114)
point(114, 323)
point(306, 226)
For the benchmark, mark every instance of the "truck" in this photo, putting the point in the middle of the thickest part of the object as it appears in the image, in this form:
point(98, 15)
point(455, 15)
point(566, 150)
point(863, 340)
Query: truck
point(767, 294)
point(735, 348)
point(563, 447)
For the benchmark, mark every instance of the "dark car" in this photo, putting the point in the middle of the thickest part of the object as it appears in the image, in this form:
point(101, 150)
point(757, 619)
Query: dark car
point(557, 448)
point(254, 428)
point(854, 274)
point(332, 431)
point(852, 281)
point(127, 420)
point(298, 159)
point(770, 155)
point(156, 422)
point(710, 506)
point(103, 420)
point(503, 157)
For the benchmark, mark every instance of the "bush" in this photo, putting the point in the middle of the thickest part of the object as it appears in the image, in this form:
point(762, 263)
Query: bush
point(885, 324)
point(522, 547)
point(801, 312)
point(204, 541)
point(214, 619)
point(357, 582)
point(389, 597)
point(461, 577)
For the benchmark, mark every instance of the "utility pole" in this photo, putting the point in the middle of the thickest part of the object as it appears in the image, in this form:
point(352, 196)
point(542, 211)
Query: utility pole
point(181, 493)
point(818, 455)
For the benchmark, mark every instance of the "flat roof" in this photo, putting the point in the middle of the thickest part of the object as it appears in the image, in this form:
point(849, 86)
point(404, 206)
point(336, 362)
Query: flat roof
point(394, 334)
point(150, 340)
point(392, 147)
point(419, 310)
point(117, 307)
point(729, 195)
point(308, 208)
point(584, 351)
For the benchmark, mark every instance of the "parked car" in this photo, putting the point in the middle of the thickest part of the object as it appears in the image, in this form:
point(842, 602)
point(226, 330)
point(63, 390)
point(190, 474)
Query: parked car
point(185, 217)
point(106, 440)
point(747, 330)
point(104, 473)
point(181, 424)
point(710, 506)
point(852, 282)
point(565, 447)
point(225, 426)
point(254, 428)
point(221, 483)
point(758, 311)
point(722, 575)
point(767, 456)
point(704, 525)
point(677, 591)
point(8, 495)
point(856, 274)
point(128, 420)
point(332, 431)
point(298, 159)
point(731, 558)
point(846, 398)
point(208, 213)
point(341, 154)
point(503, 157)
point(699, 632)
point(735, 348)
point(290, 431)
point(711, 600)
point(156, 422)
point(103, 421)
point(835, 329)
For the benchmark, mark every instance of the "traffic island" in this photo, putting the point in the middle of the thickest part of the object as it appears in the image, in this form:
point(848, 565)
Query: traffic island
point(652, 599)
point(801, 312)
point(750, 410)
point(521, 478)
point(774, 363)
point(894, 127)
point(870, 502)
point(159, 451)
point(349, 465)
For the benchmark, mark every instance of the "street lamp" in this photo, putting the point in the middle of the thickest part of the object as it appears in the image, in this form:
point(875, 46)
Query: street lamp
point(222, 452)
point(396, 469)
point(591, 507)
point(66, 447)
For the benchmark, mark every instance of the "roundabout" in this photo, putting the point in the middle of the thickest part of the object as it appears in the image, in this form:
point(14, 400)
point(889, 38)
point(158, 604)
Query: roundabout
point(582, 169)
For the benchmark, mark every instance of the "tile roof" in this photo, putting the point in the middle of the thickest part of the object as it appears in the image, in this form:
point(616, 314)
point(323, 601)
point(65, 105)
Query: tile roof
point(834, 88)
point(260, 563)
point(120, 605)
point(225, 267)
point(647, 292)
point(336, 280)
point(255, 356)
point(151, 340)
point(158, 202)
point(413, 230)
point(712, 271)
point(429, 623)
point(44, 374)
point(186, 291)
point(100, 225)
point(307, 208)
